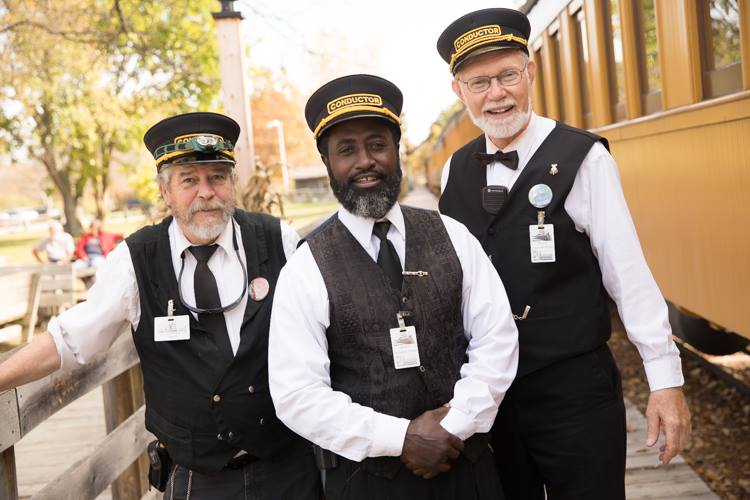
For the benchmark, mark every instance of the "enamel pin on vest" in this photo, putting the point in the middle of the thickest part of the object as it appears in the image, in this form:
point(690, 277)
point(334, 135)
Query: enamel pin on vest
point(259, 288)
point(553, 169)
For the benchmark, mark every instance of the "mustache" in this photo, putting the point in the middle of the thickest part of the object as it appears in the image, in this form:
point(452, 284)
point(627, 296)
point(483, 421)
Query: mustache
point(508, 101)
point(200, 205)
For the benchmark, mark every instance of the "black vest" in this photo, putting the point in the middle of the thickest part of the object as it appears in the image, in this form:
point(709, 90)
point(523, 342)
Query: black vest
point(569, 312)
point(203, 407)
point(363, 308)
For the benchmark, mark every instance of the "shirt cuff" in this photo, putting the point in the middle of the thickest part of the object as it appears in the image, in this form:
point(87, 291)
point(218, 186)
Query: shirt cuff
point(388, 436)
point(67, 356)
point(459, 424)
point(664, 372)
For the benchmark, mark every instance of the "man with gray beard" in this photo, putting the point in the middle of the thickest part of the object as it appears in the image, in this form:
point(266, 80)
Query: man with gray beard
point(546, 203)
point(196, 291)
point(386, 347)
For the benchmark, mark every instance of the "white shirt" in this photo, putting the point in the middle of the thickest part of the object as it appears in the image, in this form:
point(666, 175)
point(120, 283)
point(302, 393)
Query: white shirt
point(58, 247)
point(113, 302)
point(298, 362)
point(596, 204)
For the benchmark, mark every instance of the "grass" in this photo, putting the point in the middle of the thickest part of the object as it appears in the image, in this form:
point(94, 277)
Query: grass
point(15, 248)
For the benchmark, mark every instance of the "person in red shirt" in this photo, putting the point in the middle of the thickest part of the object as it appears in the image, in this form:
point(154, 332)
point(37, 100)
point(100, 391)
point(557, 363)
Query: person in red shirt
point(94, 246)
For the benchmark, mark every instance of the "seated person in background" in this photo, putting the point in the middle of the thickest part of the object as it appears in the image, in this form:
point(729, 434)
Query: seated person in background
point(94, 246)
point(58, 246)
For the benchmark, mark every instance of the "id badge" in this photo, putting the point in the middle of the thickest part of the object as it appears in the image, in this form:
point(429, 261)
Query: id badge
point(542, 243)
point(405, 350)
point(169, 328)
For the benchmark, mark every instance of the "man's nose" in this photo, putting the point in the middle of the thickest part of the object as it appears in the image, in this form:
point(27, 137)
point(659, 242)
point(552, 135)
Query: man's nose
point(496, 90)
point(205, 189)
point(364, 159)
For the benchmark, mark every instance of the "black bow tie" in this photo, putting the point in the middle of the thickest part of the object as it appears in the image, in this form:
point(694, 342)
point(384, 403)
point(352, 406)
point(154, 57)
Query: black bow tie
point(509, 159)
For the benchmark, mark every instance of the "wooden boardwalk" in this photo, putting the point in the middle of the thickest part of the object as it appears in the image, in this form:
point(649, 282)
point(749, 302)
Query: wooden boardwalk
point(73, 433)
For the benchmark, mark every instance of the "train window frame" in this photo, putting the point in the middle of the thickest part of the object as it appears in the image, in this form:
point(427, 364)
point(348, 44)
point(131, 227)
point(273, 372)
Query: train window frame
point(557, 47)
point(619, 107)
point(651, 98)
point(723, 80)
point(540, 101)
point(578, 17)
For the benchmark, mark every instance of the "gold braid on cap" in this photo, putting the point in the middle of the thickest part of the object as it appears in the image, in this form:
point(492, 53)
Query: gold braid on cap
point(508, 37)
point(351, 109)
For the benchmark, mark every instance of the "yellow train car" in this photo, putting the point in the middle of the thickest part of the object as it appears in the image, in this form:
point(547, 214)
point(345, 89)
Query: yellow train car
point(667, 82)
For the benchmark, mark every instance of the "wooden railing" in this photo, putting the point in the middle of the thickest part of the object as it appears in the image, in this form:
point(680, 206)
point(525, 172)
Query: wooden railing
point(118, 460)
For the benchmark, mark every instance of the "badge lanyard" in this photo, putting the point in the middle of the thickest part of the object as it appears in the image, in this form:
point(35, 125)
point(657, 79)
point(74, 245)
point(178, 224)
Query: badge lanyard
point(221, 309)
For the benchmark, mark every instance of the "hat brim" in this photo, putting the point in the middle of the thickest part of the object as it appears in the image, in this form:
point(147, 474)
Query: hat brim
point(188, 160)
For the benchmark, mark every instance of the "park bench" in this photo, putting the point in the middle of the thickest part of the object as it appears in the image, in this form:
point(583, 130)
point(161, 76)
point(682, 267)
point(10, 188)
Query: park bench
point(31, 292)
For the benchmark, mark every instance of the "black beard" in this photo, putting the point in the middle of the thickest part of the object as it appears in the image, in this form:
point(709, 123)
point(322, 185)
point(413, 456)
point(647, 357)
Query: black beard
point(372, 203)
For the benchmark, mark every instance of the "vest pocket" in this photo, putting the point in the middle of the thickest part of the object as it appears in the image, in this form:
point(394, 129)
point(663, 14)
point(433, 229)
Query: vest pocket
point(177, 439)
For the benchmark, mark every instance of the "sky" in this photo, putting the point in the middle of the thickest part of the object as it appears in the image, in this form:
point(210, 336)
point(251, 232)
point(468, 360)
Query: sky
point(315, 41)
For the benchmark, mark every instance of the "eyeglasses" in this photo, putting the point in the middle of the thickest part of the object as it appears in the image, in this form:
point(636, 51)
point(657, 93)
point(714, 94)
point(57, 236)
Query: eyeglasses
point(507, 78)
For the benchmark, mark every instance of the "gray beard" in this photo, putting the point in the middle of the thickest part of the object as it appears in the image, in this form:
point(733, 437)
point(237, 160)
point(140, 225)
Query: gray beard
point(372, 203)
point(512, 126)
point(206, 232)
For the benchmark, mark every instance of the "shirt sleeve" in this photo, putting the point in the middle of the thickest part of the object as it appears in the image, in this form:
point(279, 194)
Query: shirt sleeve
point(445, 173)
point(493, 339)
point(289, 239)
point(597, 206)
point(299, 377)
point(112, 304)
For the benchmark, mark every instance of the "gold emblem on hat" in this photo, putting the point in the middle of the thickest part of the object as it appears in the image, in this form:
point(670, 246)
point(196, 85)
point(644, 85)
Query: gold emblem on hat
point(350, 100)
point(553, 169)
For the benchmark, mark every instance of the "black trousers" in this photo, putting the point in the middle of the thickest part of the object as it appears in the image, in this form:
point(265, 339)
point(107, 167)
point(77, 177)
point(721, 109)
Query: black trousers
point(291, 477)
point(562, 429)
point(469, 479)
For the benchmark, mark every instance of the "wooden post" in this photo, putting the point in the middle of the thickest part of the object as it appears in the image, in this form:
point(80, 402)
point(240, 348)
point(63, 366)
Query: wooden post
point(122, 396)
point(8, 483)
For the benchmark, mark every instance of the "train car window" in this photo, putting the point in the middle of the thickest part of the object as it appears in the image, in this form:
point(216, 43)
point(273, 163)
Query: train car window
point(557, 67)
point(582, 48)
point(722, 68)
point(616, 61)
point(649, 56)
point(540, 106)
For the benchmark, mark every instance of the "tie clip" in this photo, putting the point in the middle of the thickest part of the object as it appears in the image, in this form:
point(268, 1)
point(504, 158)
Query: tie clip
point(421, 274)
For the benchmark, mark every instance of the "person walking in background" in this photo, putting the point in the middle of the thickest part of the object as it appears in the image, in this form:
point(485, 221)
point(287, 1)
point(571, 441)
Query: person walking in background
point(58, 245)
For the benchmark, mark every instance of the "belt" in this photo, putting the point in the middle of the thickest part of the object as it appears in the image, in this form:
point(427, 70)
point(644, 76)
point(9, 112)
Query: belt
point(240, 461)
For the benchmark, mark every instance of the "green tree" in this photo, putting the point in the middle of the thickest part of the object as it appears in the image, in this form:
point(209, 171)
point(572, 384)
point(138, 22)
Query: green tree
point(80, 82)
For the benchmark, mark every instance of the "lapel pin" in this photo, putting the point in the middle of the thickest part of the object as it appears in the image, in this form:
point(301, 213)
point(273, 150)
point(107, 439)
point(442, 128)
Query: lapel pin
point(553, 169)
point(259, 288)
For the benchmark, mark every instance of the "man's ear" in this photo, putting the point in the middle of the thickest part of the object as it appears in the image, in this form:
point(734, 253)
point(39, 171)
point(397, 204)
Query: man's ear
point(324, 159)
point(165, 196)
point(531, 68)
point(456, 86)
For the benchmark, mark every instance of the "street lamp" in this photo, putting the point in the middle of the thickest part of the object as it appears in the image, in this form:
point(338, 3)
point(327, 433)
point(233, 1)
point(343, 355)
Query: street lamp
point(279, 126)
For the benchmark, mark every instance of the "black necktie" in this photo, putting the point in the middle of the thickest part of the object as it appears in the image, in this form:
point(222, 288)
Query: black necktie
point(207, 297)
point(387, 256)
point(509, 159)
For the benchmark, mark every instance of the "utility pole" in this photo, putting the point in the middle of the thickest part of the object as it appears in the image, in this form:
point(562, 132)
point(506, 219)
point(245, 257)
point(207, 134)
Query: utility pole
point(279, 126)
point(235, 86)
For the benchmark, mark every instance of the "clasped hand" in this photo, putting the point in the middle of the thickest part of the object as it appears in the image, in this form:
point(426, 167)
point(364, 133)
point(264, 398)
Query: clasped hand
point(428, 448)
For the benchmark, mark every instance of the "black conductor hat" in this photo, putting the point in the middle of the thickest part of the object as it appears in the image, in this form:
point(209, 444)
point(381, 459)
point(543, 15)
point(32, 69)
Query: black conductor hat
point(193, 138)
point(483, 31)
point(353, 96)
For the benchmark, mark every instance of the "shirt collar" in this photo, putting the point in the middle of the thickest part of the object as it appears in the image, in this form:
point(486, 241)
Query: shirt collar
point(361, 227)
point(522, 144)
point(182, 243)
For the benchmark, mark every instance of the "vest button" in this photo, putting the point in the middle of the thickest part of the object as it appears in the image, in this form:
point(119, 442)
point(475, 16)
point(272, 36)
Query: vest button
point(220, 437)
point(262, 421)
point(422, 369)
point(231, 435)
point(216, 398)
point(404, 299)
point(251, 389)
